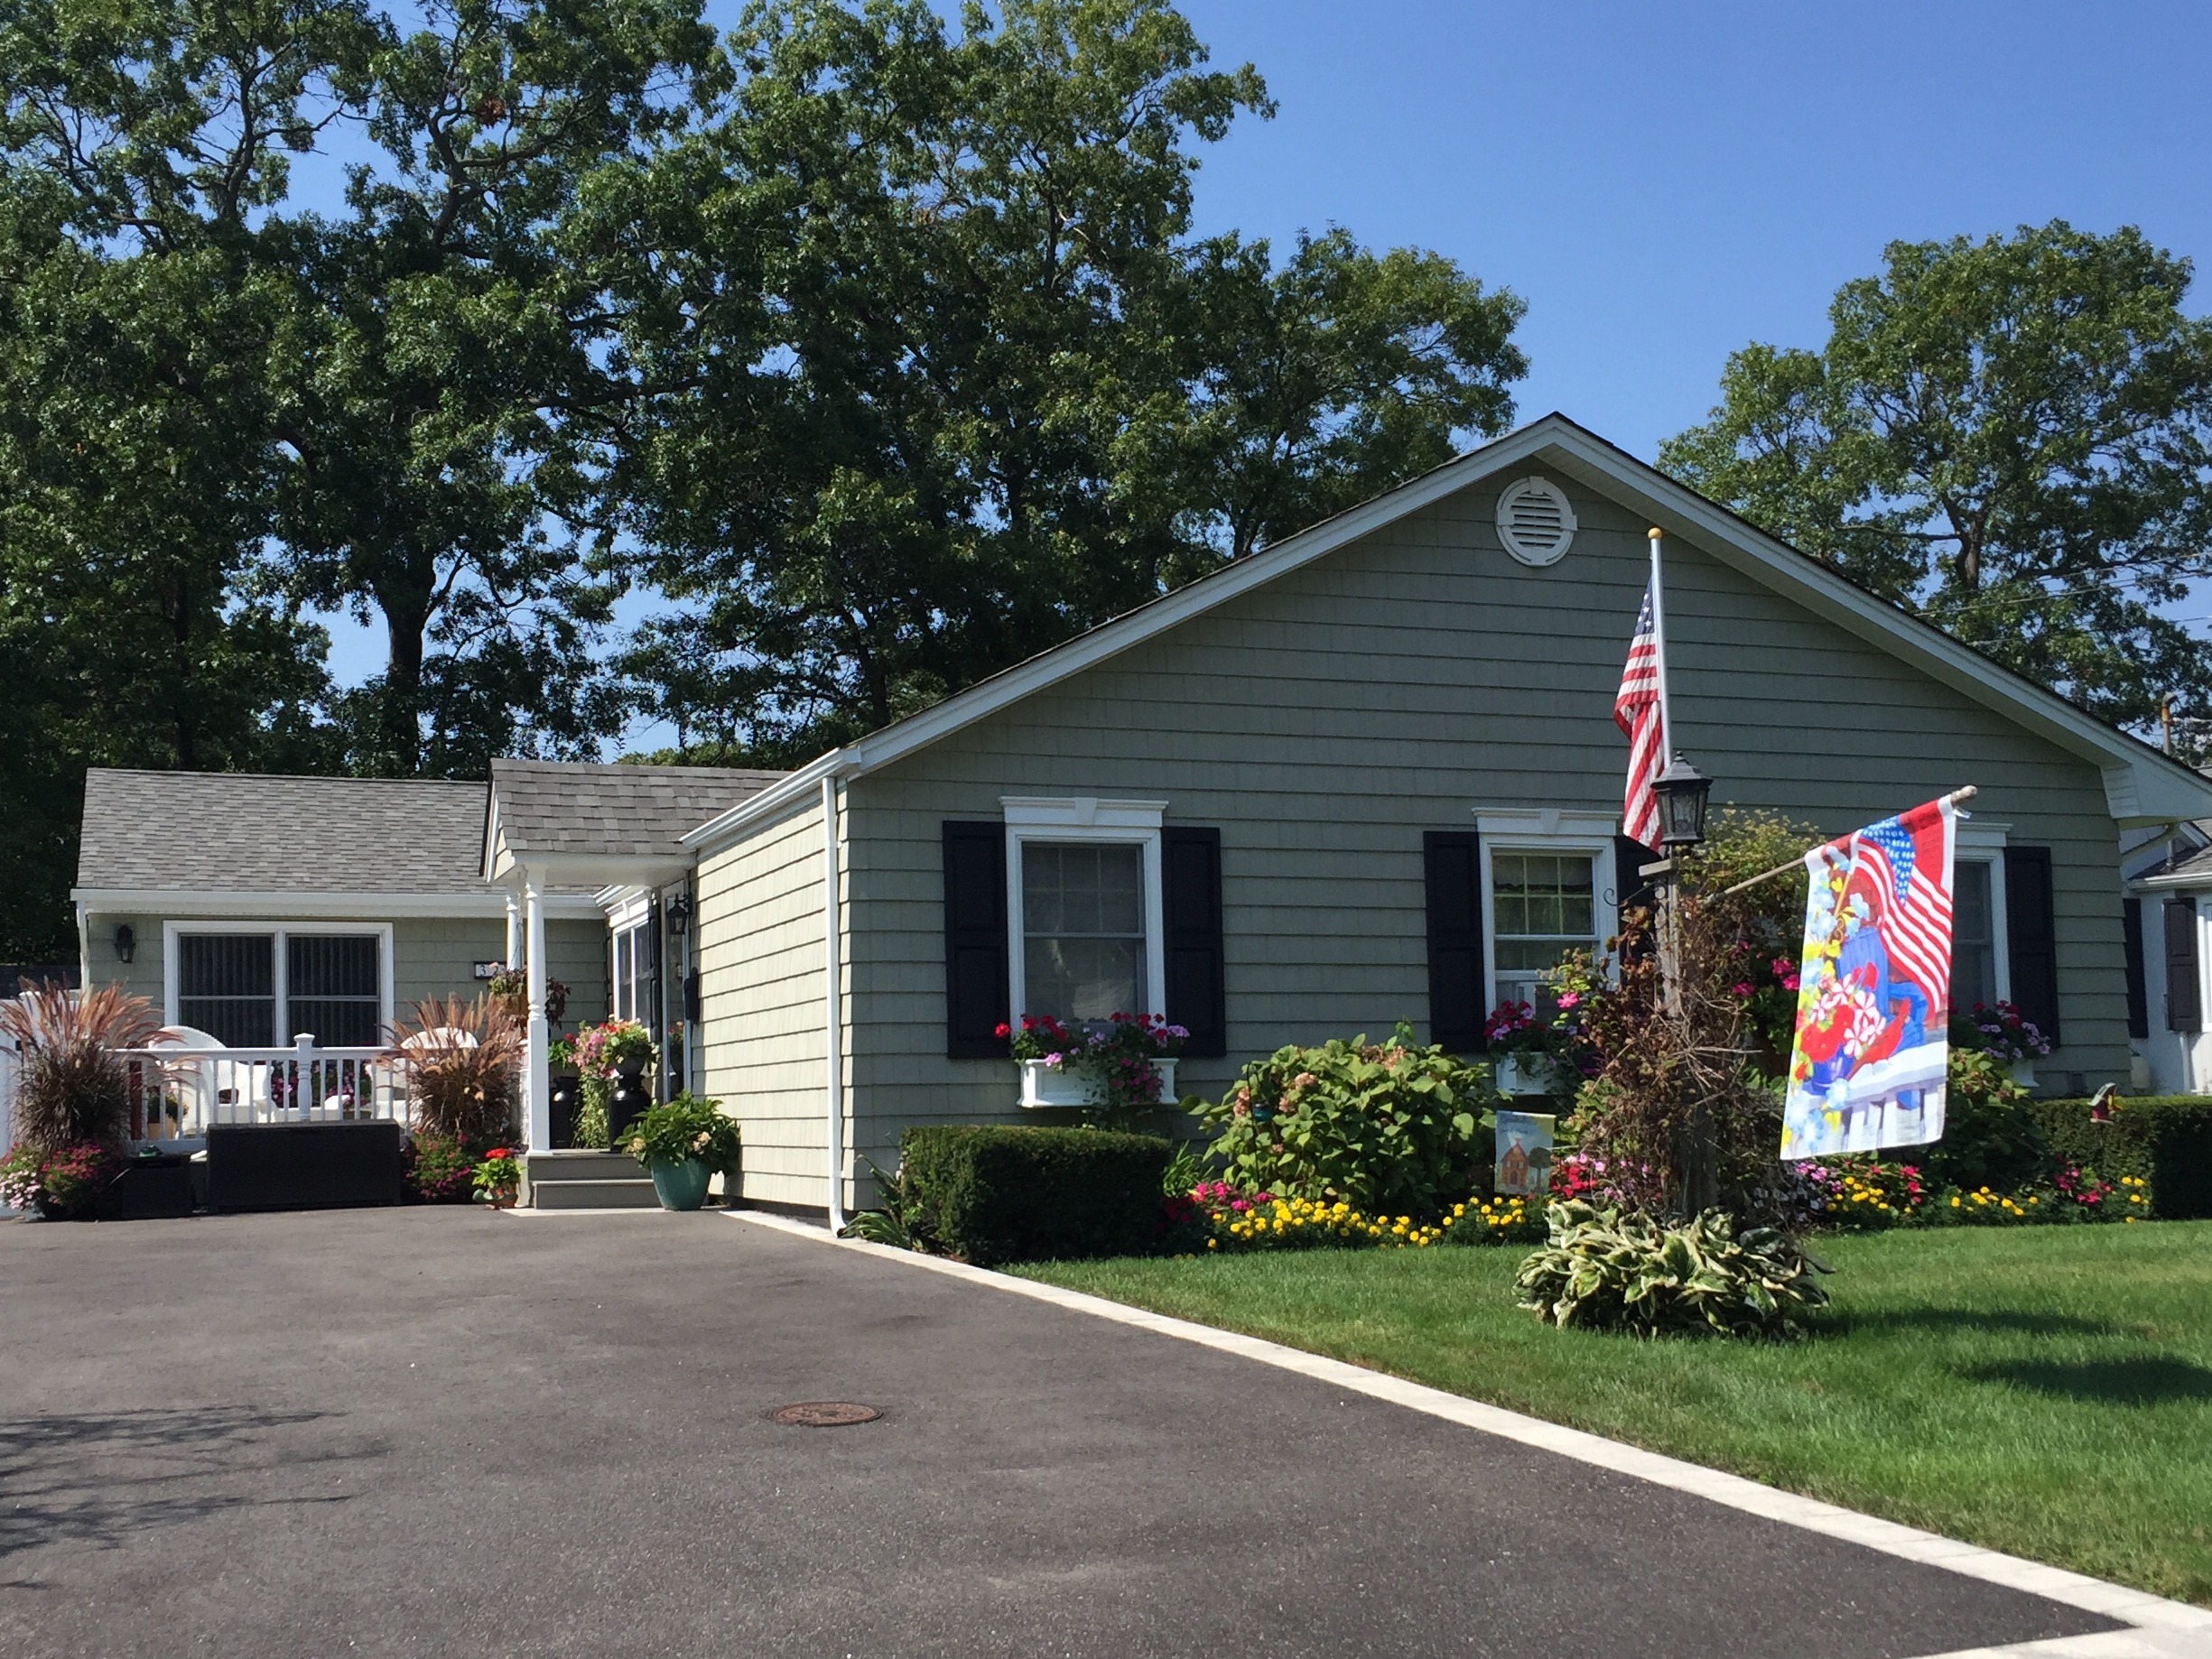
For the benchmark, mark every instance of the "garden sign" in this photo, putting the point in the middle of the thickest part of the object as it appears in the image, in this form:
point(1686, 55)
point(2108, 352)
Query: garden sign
point(1868, 1062)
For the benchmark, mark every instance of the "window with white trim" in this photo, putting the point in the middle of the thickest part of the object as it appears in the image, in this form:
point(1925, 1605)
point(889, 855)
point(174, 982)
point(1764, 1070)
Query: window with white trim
point(1083, 908)
point(631, 983)
point(265, 989)
point(1544, 906)
point(1548, 889)
point(1980, 972)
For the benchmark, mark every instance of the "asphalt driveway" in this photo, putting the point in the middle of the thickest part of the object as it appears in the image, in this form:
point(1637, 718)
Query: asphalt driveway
point(433, 1431)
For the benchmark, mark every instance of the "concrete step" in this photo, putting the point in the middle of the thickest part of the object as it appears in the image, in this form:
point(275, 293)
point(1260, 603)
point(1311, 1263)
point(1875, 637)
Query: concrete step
point(569, 1194)
point(547, 1166)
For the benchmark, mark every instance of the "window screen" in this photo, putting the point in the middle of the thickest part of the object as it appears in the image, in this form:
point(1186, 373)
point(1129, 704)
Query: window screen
point(227, 987)
point(333, 989)
point(1082, 929)
point(1973, 937)
point(1542, 905)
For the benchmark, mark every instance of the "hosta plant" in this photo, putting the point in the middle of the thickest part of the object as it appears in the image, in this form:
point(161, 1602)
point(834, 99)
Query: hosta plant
point(1381, 1125)
point(1606, 1270)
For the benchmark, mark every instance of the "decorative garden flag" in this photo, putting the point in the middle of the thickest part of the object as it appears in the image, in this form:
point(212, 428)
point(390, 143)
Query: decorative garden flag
point(1524, 1153)
point(1867, 1067)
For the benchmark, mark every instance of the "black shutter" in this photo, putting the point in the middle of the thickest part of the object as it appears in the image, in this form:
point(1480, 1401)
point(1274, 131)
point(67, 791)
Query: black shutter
point(2138, 995)
point(975, 946)
point(1191, 894)
point(2184, 1008)
point(2032, 937)
point(1453, 863)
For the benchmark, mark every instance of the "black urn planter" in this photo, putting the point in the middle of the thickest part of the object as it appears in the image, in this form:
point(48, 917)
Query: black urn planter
point(630, 1100)
point(563, 1097)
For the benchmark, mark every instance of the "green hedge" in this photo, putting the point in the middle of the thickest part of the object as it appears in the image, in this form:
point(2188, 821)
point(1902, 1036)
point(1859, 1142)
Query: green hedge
point(1036, 1194)
point(2167, 1140)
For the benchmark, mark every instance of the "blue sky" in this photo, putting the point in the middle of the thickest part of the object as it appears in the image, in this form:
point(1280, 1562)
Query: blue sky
point(1663, 185)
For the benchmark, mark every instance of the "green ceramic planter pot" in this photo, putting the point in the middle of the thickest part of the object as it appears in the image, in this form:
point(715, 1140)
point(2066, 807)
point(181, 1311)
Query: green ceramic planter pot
point(680, 1185)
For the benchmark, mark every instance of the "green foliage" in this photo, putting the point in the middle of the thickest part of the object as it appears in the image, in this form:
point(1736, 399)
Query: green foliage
point(1991, 1136)
point(1185, 1170)
point(897, 1221)
point(1605, 1270)
point(995, 1195)
point(686, 1128)
point(497, 1178)
point(594, 1106)
point(1381, 1125)
point(2163, 1140)
point(950, 380)
point(2008, 436)
point(437, 1169)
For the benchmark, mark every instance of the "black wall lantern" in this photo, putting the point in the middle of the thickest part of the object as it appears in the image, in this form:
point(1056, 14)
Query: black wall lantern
point(680, 915)
point(127, 942)
point(1681, 790)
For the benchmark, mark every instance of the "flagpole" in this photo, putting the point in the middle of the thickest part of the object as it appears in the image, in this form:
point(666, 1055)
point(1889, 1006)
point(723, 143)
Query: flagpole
point(1659, 651)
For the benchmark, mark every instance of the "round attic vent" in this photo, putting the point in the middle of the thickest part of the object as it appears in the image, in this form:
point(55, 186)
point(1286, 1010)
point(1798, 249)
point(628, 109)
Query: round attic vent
point(1534, 523)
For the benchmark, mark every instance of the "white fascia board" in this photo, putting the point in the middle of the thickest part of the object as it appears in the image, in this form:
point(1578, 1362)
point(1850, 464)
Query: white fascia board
point(1547, 822)
point(280, 906)
point(597, 871)
point(491, 833)
point(2142, 786)
point(797, 790)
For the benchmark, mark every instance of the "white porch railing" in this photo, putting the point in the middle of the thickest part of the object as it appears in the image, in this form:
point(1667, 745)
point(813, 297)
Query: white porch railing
point(177, 1092)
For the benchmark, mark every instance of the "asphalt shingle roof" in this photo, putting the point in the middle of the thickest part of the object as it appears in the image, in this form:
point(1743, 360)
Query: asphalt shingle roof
point(574, 807)
point(240, 832)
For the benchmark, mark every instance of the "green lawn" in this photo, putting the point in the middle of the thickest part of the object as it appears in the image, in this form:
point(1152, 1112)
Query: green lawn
point(2046, 1391)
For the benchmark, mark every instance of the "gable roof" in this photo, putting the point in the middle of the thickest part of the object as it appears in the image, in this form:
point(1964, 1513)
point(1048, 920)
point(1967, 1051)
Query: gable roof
point(545, 812)
point(2141, 785)
point(244, 832)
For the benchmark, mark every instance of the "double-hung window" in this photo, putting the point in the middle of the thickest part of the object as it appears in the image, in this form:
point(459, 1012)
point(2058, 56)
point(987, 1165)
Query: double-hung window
point(1549, 880)
point(1084, 908)
point(1979, 965)
point(264, 987)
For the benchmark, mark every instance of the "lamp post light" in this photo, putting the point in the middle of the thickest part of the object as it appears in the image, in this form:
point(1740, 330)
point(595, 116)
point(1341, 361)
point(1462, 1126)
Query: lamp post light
point(1682, 790)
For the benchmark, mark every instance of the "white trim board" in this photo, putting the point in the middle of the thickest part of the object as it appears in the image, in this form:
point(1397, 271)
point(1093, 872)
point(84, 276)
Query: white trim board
point(2173, 1629)
point(288, 906)
point(2142, 786)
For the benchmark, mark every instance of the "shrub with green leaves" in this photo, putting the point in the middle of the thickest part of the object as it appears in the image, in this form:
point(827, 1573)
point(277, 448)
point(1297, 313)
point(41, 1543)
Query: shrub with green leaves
point(994, 1193)
point(686, 1128)
point(1384, 1127)
point(1603, 1270)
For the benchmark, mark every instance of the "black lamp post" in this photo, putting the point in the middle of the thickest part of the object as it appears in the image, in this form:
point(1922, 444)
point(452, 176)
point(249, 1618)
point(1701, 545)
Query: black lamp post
point(1681, 790)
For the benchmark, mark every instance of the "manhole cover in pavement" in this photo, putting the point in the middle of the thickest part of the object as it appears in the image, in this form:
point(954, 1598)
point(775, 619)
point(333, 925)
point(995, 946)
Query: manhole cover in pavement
point(824, 1415)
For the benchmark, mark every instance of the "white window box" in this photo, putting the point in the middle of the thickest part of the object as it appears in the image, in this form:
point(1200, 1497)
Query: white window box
point(1526, 1074)
point(2023, 1073)
point(1043, 1085)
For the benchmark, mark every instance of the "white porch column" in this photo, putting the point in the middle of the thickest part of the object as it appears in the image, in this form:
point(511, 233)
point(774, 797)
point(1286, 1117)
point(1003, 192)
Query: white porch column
point(513, 929)
point(538, 1097)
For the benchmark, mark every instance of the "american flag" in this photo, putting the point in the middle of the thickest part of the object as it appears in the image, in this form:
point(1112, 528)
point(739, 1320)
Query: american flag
point(1636, 711)
point(1908, 857)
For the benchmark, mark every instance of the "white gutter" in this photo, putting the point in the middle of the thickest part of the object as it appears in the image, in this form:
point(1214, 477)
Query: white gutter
point(833, 1026)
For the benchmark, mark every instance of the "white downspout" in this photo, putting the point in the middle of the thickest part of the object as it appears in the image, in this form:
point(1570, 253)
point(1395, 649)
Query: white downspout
point(833, 1019)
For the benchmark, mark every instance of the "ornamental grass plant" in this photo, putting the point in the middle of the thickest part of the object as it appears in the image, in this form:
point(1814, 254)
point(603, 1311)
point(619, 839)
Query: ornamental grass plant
point(73, 1089)
point(464, 1061)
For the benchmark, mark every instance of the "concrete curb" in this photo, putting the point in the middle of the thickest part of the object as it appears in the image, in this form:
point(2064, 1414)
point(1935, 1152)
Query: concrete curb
point(2162, 1630)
